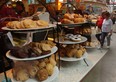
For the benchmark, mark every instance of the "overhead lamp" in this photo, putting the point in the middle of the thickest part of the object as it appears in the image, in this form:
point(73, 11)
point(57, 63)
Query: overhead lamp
point(60, 0)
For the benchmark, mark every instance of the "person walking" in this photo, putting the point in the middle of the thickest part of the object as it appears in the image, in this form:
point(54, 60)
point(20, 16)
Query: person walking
point(106, 29)
point(99, 24)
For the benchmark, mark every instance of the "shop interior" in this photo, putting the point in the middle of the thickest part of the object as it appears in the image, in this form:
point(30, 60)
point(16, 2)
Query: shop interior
point(50, 40)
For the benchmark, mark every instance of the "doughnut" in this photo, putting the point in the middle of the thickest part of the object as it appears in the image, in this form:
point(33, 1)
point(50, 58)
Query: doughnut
point(76, 39)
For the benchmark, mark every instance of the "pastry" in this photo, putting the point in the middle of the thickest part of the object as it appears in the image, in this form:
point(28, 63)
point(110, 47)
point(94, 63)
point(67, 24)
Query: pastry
point(45, 47)
point(42, 23)
point(66, 21)
point(68, 36)
point(48, 42)
point(46, 60)
point(42, 74)
point(32, 70)
point(19, 52)
point(18, 25)
point(37, 51)
point(76, 16)
point(67, 16)
point(42, 64)
point(62, 51)
point(52, 61)
point(8, 25)
point(79, 53)
point(28, 23)
point(76, 39)
point(71, 52)
point(50, 69)
point(22, 75)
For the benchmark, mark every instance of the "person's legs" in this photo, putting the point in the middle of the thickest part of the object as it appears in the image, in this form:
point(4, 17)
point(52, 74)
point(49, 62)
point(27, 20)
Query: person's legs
point(98, 37)
point(103, 35)
point(108, 40)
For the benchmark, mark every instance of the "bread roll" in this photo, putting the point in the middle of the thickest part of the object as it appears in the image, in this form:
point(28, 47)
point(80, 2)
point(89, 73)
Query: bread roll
point(66, 21)
point(22, 75)
point(41, 23)
point(76, 16)
point(42, 64)
point(42, 74)
point(71, 52)
point(18, 25)
point(67, 16)
point(52, 61)
point(50, 69)
point(79, 53)
point(28, 23)
point(32, 70)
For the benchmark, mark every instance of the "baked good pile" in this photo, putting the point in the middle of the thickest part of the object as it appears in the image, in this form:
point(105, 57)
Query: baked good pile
point(73, 18)
point(38, 69)
point(26, 24)
point(70, 37)
point(33, 49)
point(73, 50)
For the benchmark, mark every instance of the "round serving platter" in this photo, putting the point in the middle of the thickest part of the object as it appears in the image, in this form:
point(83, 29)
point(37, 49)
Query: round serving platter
point(53, 50)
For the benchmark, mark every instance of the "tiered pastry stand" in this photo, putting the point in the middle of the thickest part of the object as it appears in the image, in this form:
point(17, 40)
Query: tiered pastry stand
point(67, 42)
point(30, 32)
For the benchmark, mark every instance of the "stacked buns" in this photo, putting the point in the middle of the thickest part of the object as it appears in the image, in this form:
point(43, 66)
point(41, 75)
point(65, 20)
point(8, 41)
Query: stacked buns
point(84, 30)
point(89, 44)
point(38, 69)
point(76, 51)
point(26, 23)
point(72, 18)
point(33, 49)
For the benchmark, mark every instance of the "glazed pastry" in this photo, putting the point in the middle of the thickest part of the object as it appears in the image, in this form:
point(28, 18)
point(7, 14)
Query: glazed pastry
point(42, 74)
point(68, 36)
point(50, 68)
point(76, 39)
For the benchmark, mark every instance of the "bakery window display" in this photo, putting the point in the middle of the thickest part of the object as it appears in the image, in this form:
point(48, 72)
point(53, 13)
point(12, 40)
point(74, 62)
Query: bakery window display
point(42, 70)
